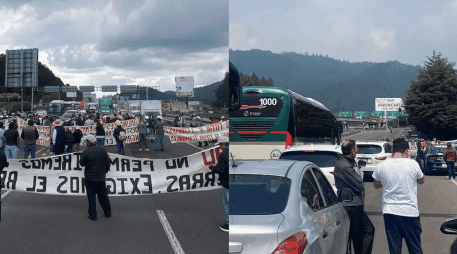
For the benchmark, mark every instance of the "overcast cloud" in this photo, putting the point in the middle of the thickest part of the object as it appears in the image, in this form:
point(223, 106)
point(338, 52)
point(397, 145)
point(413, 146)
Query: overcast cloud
point(352, 30)
point(122, 42)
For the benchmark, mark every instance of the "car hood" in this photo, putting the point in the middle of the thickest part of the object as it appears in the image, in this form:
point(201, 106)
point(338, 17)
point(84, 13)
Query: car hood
point(254, 233)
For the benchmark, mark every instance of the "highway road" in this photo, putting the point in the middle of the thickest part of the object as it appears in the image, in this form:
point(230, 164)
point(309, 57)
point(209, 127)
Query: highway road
point(160, 223)
point(437, 199)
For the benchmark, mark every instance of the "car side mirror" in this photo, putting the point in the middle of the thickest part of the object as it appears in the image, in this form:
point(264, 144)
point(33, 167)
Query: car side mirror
point(362, 163)
point(449, 227)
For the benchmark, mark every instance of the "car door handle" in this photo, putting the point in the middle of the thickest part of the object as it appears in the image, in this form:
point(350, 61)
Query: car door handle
point(324, 233)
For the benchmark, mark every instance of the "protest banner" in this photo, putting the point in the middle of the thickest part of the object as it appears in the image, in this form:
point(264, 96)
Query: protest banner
point(128, 176)
point(130, 126)
point(203, 133)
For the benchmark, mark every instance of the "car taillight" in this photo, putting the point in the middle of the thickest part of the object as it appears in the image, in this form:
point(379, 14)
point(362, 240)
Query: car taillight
point(294, 244)
point(381, 158)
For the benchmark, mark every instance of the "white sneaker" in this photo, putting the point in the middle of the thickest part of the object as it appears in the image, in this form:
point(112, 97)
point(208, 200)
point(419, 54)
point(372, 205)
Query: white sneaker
point(147, 149)
point(140, 149)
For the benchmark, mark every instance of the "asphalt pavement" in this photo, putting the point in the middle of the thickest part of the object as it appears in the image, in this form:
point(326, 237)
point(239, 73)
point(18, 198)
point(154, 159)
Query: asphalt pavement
point(185, 222)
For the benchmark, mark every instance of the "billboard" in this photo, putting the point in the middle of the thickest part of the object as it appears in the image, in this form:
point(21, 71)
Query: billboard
point(21, 68)
point(109, 89)
point(71, 94)
point(389, 104)
point(69, 89)
point(52, 89)
point(184, 86)
point(127, 88)
point(87, 89)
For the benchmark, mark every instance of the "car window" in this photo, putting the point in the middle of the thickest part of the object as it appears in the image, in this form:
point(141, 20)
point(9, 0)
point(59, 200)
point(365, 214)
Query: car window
point(435, 150)
point(310, 192)
point(388, 148)
point(327, 190)
point(258, 194)
point(320, 158)
point(369, 149)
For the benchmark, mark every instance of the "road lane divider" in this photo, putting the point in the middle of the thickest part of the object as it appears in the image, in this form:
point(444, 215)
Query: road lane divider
point(170, 234)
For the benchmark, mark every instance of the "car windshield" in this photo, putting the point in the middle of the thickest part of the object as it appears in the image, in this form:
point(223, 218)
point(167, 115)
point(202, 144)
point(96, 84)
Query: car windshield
point(369, 149)
point(436, 150)
point(54, 108)
point(320, 158)
point(66, 116)
point(267, 194)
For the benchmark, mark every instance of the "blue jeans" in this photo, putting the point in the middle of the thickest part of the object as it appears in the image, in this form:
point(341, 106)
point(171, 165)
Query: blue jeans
point(399, 227)
point(143, 139)
point(101, 142)
point(159, 142)
point(225, 203)
point(450, 169)
point(120, 147)
point(11, 152)
point(29, 149)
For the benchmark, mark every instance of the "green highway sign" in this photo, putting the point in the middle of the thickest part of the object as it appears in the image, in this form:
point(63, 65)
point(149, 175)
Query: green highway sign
point(377, 114)
point(361, 114)
point(393, 113)
point(345, 115)
point(403, 113)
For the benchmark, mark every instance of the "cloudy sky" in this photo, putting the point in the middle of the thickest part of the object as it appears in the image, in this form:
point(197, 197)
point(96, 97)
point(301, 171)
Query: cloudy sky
point(352, 30)
point(142, 42)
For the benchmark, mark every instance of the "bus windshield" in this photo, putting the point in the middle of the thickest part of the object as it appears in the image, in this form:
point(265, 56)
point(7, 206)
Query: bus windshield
point(54, 108)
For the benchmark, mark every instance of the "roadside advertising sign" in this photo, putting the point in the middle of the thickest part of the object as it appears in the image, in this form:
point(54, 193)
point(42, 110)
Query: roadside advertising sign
point(389, 104)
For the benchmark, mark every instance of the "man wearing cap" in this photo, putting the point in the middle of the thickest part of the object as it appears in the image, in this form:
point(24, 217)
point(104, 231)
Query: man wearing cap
point(58, 137)
point(159, 134)
point(97, 163)
point(30, 135)
point(222, 169)
point(116, 134)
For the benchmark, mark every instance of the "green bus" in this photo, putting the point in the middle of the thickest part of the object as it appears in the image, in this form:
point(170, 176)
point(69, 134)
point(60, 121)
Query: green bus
point(272, 119)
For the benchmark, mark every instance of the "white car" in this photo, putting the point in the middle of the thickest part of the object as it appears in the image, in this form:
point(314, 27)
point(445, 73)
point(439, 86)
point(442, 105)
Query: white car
point(324, 156)
point(373, 153)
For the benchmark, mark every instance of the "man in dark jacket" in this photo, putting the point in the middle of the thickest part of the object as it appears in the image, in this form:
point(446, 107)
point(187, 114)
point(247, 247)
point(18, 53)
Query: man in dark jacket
point(11, 139)
point(77, 135)
point(116, 134)
point(3, 164)
point(222, 169)
point(58, 137)
point(159, 130)
point(97, 163)
point(30, 135)
point(351, 193)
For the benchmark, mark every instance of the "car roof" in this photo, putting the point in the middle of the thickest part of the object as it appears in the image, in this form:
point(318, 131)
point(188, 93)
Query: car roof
point(313, 147)
point(265, 167)
point(371, 142)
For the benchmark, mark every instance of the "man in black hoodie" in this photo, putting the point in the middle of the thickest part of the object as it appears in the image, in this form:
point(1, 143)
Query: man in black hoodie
point(97, 163)
point(222, 169)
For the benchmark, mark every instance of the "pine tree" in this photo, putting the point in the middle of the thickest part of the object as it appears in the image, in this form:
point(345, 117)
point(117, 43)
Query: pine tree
point(431, 100)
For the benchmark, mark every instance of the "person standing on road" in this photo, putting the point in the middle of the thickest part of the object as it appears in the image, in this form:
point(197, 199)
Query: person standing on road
point(77, 136)
point(222, 169)
point(399, 177)
point(351, 193)
point(3, 164)
point(58, 138)
point(449, 156)
point(159, 130)
point(2, 132)
point(69, 140)
point(118, 133)
point(100, 134)
point(30, 135)
point(97, 163)
point(142, 133)
point(11, 139)
point(200, 124)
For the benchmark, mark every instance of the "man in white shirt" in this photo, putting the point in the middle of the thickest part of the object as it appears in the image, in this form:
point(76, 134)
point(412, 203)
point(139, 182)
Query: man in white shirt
point(399, 177)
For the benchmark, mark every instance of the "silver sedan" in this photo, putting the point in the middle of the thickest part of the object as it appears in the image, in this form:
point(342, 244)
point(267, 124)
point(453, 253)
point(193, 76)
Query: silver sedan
point(279, 207)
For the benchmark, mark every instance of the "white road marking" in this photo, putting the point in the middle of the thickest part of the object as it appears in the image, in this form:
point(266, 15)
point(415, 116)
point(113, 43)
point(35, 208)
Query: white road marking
point(171, 236)
point(4, 194)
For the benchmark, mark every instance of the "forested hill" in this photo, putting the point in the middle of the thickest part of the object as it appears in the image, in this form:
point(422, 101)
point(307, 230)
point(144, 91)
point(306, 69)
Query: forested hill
point(339, 85)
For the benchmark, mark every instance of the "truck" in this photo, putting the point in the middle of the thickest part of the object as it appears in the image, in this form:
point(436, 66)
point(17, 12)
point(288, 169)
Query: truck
point(106, 105)
point(56, 109)
point(92, 107)
point(152, 107)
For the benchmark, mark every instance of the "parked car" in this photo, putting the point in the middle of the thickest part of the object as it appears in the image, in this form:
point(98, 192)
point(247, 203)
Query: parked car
point(373, 153)
point(431, 159)
point(279, 205)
